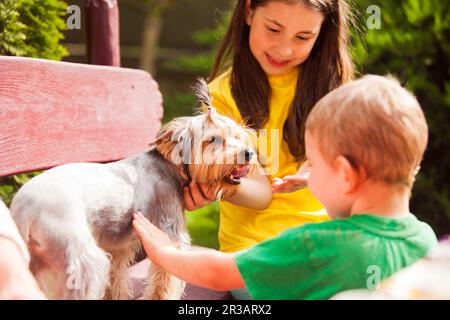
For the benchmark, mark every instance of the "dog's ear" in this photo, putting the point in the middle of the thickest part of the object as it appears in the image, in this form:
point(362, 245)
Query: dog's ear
point(172, 142)
point(163, 137)
point(172, 127)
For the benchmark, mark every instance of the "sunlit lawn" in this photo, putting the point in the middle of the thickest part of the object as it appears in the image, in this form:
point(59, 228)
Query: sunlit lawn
point(203, 225)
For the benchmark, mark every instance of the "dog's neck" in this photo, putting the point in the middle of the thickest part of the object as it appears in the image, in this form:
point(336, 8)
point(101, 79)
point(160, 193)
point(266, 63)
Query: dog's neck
point(187, 178)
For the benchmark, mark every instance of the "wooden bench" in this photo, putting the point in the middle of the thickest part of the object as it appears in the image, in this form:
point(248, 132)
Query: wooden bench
point(52, 113)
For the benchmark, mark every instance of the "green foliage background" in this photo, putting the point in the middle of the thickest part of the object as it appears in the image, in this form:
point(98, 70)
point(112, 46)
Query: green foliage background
point(32, 28)
point(413, 44)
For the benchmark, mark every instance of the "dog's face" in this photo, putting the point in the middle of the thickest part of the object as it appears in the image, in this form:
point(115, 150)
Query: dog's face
point(210, 148)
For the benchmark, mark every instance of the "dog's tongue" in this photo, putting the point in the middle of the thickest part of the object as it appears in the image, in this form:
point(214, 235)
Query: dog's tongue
point(240, 172)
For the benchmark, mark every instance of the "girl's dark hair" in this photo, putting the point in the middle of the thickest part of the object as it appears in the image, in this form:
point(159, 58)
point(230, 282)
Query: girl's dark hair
point(328, 66)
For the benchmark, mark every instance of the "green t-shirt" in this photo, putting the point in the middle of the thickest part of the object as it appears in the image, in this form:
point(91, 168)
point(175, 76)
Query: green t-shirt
point(316, 261)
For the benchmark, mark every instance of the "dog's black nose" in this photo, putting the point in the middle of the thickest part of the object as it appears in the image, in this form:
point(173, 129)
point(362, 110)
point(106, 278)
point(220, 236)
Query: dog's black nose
point(248, 155)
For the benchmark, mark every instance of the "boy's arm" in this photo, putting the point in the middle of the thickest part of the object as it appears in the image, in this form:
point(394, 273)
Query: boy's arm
point(202, 267)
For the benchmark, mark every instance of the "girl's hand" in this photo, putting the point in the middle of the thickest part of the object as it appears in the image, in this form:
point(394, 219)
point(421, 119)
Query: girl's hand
point(196, 196)
point(153, 239)
point(294, 182)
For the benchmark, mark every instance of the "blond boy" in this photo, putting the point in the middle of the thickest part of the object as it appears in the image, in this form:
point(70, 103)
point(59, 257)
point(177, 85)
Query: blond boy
point(364, 141)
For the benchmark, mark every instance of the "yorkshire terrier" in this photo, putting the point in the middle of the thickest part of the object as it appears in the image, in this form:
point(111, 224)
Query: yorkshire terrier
point(77, 218)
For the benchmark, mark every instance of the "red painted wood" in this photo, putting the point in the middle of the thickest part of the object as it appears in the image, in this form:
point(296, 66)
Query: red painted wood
point(53, 113)
point(102, 32)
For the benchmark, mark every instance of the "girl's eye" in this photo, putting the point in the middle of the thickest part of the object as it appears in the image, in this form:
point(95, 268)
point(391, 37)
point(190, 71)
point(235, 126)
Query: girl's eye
point(273, 30)
point(302, 38)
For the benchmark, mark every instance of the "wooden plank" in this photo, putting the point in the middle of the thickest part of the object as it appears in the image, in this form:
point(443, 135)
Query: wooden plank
point(53, 113)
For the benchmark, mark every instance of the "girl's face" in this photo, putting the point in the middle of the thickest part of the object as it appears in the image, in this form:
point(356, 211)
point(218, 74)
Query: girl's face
point(282, 35)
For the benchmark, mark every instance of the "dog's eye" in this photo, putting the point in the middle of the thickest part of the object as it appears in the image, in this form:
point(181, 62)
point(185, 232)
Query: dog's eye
point(215, 140)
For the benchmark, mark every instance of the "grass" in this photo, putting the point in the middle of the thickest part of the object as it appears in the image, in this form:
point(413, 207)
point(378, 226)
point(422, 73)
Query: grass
point(203, 226)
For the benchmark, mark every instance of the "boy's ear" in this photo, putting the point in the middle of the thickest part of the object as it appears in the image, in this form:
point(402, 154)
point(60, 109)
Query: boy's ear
point(350, 176)
point(248, 12)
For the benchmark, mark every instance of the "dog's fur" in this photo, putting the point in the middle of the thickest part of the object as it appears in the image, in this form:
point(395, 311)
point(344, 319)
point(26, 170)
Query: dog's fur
point(77, 218)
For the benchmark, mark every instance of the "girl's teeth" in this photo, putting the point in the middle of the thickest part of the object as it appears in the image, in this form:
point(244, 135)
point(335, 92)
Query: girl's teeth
point(277, 61)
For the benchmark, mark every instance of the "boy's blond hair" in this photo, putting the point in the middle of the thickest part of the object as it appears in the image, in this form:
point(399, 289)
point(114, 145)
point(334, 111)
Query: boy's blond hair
point(376, 124)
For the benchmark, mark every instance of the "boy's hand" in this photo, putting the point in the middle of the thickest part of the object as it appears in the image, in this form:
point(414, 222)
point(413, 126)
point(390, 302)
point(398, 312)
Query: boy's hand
point(153, 239)
point(294, 182)
point(196, 196)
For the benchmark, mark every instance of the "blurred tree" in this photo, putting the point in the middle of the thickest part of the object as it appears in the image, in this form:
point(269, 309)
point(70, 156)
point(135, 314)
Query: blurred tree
point(413, 45)
point(182, 103)
point(32, 28)
point(154, 11)
point(203, 62)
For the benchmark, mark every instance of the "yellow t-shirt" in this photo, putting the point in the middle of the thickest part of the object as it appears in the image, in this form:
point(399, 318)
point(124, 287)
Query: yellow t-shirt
point(242, 227)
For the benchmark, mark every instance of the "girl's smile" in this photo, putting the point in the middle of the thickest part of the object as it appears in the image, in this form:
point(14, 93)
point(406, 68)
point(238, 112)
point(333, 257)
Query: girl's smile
point(277, 63)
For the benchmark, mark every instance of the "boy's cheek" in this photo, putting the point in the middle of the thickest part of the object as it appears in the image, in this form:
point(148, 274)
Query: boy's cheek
point(314, 187)
point(322, 191)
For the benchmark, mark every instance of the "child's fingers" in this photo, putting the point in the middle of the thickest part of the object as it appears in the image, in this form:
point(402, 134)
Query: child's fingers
point(289, 186)
point(145, 223)
point(284, 190)
point(188, 200)
point(281, 189)
point(277, 180)
point(137, 219)
point(280, 184)
point(140, 230)
point(295, 178)
point(277, 183)
point(208, 194)
point(139, 225)
point(200, 200)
